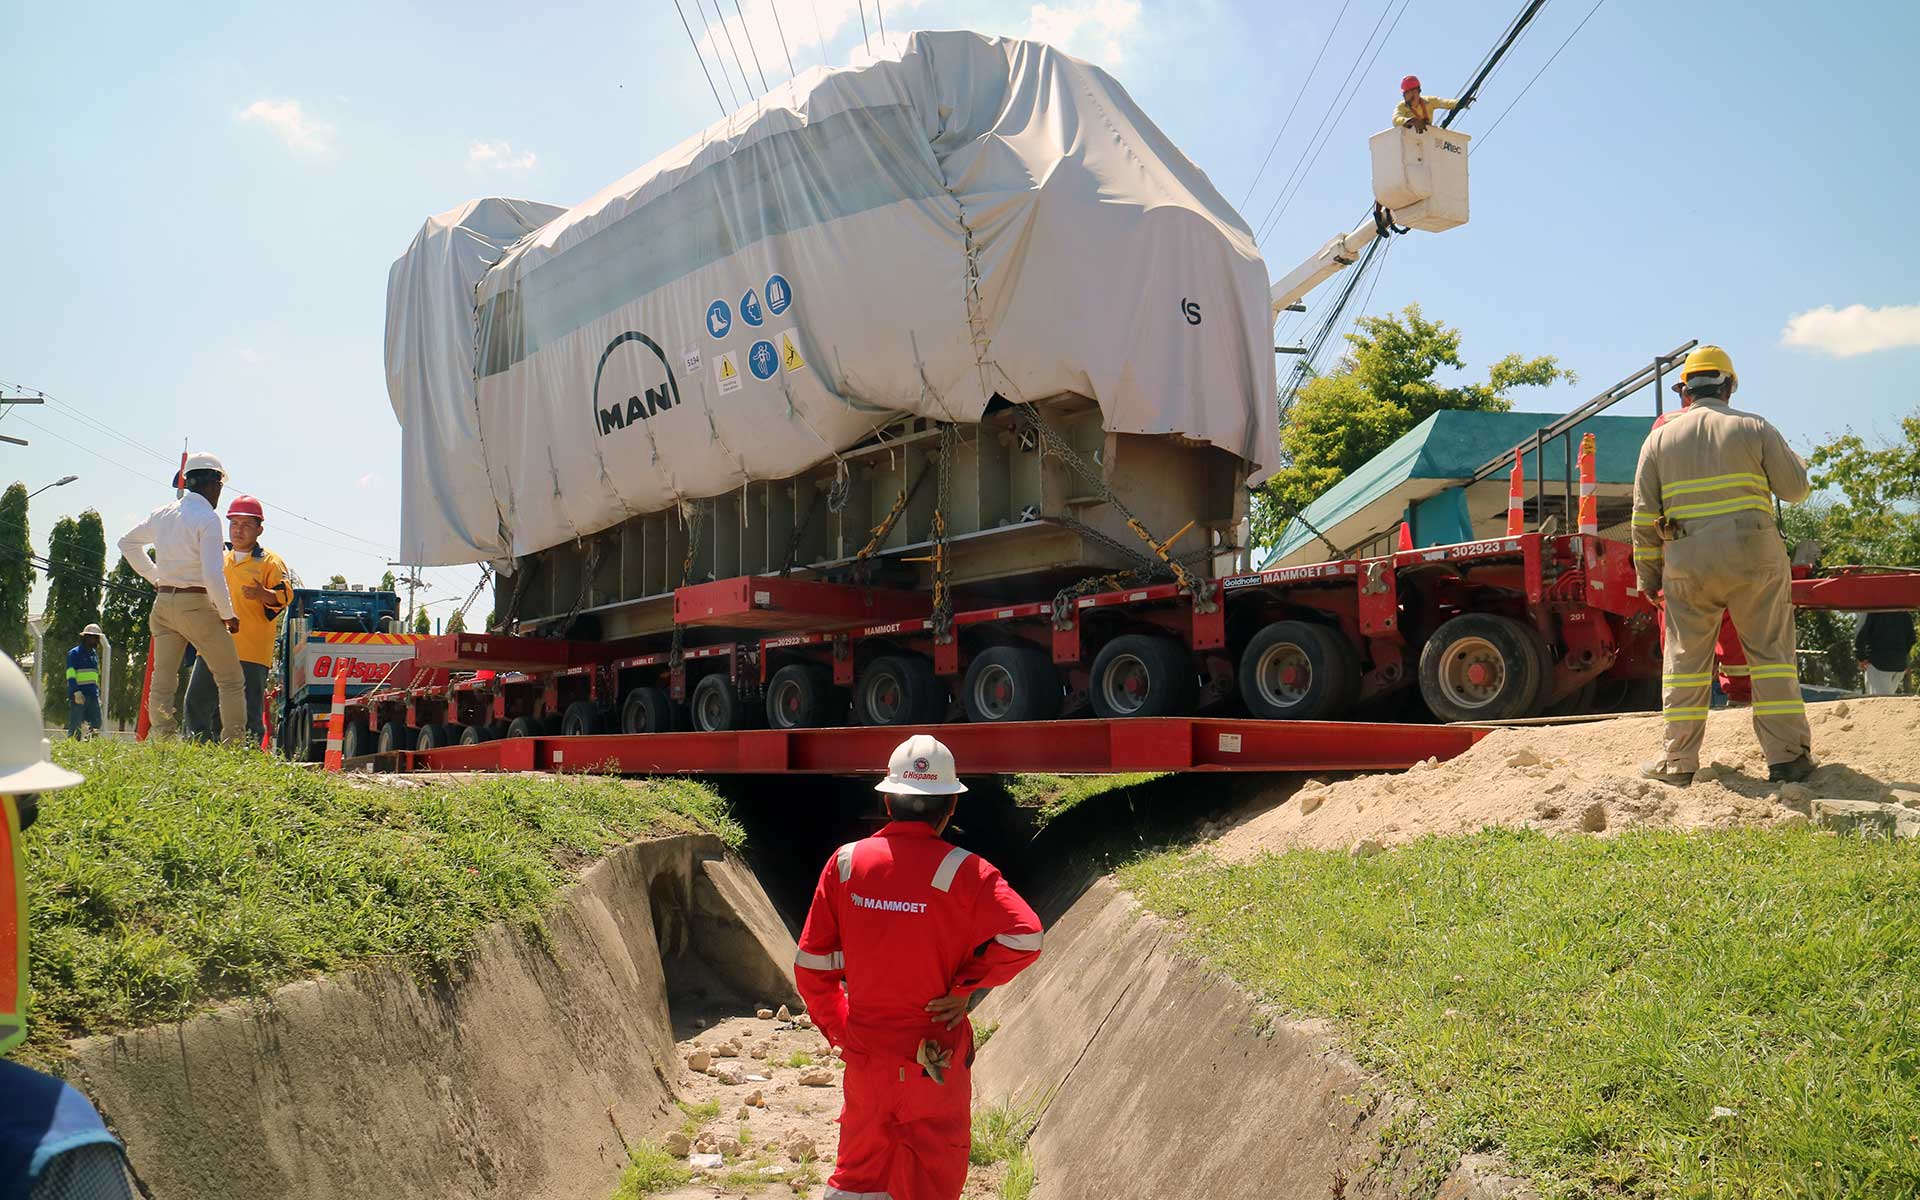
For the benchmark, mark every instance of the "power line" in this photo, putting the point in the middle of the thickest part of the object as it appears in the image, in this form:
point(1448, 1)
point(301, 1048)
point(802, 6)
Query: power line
point(819, 34)
point(707, 27)
point(1541, 71)
point(775, 6)
point(882, 18)
point(698, 55)
point(863, 26)
point(765, 87)
point(1297, 97)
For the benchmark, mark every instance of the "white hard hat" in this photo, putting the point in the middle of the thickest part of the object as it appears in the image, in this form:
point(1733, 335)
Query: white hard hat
point(93, 629)
point(921, 766)
point(25, 758)
point(205, 462)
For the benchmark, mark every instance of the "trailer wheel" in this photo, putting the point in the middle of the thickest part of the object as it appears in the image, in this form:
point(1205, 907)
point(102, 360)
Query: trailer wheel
point(715, 707)
point(1481, 667)
point(802, 696)
point(521, 727)
point(647, 710)
point(1299, 671)
point(356, 740)
point(436, 736)
point(496, 730)
point(549, 725)
point(581, 718)
point(303, 740)
point(1011, 683)
point(1140, 675)
point(474, 735)
point(899, 689)
point(393, 736)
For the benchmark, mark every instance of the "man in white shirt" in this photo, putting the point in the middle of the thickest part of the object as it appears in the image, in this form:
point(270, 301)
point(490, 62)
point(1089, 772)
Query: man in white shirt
point(193, 608)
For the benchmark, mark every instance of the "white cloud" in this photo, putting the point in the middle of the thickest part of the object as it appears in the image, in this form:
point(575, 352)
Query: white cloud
point(302, 134)
point(366, 481)
point(498, 156)
point(247, 354)
point(1855, 329)
point(1096, 29)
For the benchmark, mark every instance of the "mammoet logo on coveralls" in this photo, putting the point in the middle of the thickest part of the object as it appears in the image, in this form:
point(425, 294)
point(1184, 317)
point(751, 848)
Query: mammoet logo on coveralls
point(632, 383)
point(905, 906)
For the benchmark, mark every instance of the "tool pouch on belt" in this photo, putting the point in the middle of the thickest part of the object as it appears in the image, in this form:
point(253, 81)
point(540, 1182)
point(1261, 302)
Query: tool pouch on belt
point(1670, 530)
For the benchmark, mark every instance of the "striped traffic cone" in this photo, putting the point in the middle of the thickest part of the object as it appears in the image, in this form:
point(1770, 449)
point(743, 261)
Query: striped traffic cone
point(1517, 495)
point(1589, 487)
point(337, 723)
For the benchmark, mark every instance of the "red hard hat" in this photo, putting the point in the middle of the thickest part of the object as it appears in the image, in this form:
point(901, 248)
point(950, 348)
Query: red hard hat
point(246, 506)
point(1411, 81)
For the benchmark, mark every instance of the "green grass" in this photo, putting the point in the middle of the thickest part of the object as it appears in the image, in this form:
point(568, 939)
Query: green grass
point(697, 1114)
point(180, 875)
point(798, 1059)
point(1017, 1183)
point(1053, 795)
point(1587, 1005)
point(1000, 1135)
point(650, 1169)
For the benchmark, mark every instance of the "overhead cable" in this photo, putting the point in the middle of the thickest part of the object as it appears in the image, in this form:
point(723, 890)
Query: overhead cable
point(765, 87)
point(701, 9)
point(703, 59)
point(1541, 71)
point(863, 26)
point(1297, 97)
point(781, 29)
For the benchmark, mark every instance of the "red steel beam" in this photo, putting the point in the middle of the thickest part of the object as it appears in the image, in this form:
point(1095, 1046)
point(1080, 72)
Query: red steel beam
point(1057, 747)
point(1857, 589)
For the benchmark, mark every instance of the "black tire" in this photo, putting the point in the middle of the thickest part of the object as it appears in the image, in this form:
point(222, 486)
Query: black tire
point(356, 740)
point(582, 719)
point(1482, 667)
point(496, 730)
point(436, 736)
point(648, 710)
point(1139, 675)
point(307, 746)
point(715, 707)
point(393, 736)
point(1578, 702)
point(899, 689)
point(521, 727)
point(1011, 683)
point(549, 725)
point(1299, 671)
point(802, 696)
point(473, 735)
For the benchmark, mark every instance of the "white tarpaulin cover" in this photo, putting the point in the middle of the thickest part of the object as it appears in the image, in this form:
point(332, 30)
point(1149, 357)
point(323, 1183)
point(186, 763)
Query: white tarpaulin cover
point(977, 216)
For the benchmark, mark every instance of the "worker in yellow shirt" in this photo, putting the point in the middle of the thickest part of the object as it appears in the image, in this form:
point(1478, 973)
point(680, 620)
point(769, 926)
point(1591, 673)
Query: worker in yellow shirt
point(1415, 111)
point(257, 581)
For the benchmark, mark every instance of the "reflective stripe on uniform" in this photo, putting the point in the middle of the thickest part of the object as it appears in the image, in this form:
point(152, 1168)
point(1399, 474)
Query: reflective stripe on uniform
point(1685, 714)
point(1765, 707)
point(844, 857)
point(1714, 483)
point(1720, 508)
point(83, 676)
point(1698, 680)
point(837, 961)
point(949, 867)
point(1646, 518)
point(1733, 671)
point(1019, 941)
point(1774, 671)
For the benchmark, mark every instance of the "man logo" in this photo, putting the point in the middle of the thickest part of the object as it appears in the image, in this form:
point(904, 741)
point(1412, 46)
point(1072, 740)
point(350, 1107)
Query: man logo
point(920, 764)
point(632, 383)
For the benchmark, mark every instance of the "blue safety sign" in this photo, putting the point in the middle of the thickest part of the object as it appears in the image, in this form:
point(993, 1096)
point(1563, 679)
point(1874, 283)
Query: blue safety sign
point(763, 360)
point(720, 318)
point(779, 294)
point(750, 308)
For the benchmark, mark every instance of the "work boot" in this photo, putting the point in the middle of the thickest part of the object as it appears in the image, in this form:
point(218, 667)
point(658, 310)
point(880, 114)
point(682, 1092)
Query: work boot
point(1790, 772)
point(1663, 772)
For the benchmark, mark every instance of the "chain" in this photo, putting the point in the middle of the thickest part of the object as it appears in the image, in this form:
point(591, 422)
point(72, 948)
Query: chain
point(942, 591)
point(799, 533)
point(676, 654)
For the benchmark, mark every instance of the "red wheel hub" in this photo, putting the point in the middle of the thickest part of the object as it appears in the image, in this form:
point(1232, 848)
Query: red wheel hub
point(1292, 676)
point(1479, 675)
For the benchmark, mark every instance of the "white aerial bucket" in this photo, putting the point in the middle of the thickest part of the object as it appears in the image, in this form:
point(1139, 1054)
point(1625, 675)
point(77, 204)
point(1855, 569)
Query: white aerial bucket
point(1421, 177)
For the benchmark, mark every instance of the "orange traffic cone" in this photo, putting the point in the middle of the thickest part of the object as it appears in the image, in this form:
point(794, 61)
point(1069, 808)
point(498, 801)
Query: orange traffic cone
point(1589, 487)
point(1517, 495)
point(337, 722)
point(1406, 537)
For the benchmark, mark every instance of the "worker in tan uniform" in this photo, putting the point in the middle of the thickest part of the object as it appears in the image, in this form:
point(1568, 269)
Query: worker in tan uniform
point(1704, 535)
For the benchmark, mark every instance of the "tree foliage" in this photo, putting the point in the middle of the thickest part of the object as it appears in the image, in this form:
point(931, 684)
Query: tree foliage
point(422, 623)
point(16, 571)
point(457, 623)
point(123, 614)
point(1381, 388)
point(77, 564)
point(387, 582)
point(337, 581)
point(1865, 509)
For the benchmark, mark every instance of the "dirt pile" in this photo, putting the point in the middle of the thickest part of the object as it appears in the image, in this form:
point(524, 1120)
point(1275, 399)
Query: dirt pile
point(1583, 778)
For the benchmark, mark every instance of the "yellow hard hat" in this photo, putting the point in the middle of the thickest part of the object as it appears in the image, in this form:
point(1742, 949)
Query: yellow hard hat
point(1710, 358)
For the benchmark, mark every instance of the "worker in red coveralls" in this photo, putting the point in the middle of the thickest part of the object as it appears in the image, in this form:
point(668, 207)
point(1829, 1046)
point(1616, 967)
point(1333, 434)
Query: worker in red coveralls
point(905, 934)
point(1730, 660)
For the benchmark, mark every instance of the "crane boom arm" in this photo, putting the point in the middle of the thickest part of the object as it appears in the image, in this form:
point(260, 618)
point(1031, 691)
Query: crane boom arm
point(1337, 255)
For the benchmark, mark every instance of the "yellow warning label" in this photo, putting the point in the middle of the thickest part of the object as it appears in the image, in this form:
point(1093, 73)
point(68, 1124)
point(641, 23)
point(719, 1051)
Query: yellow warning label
point(790, 352)
point(726, 369)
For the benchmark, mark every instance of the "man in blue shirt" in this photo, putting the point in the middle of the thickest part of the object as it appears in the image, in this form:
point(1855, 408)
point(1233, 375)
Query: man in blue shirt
point(83, 682)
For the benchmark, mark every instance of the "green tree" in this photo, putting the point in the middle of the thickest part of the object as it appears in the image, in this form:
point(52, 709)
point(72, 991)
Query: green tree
point(422, 623)
point(77, 558)
point(457, 623)
point(123, 614)
point(16, 571)
point(1865, 509)
point(337, 581)
point(387, 582)
point(1381, 388)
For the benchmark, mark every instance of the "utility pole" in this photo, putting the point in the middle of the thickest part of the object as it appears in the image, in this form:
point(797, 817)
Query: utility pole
point(414, 584)
point(6, 406)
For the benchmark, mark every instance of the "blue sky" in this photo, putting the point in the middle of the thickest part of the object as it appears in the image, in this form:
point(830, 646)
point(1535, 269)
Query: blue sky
point(203, 201)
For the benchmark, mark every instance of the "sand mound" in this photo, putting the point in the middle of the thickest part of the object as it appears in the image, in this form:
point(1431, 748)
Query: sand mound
point(1584, 779)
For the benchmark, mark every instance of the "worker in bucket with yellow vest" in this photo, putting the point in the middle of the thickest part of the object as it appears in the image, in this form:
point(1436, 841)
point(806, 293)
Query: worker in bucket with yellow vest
point(53, 1144)
point(905, 934)
point(1705, 541)
point(1415, 111)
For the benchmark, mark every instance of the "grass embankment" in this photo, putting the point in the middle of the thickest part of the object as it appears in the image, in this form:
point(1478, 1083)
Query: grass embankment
point(180, 875)
point(1053, 795)
point(1724, 1015)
